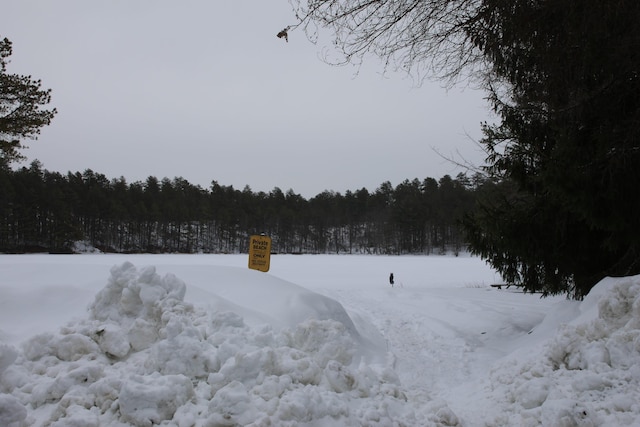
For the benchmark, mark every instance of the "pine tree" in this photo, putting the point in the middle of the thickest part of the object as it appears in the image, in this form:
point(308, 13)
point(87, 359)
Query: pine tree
point(565, 81)
point(21, 112)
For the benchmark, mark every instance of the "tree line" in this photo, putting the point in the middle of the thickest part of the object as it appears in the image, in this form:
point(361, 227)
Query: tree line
point(48, 211)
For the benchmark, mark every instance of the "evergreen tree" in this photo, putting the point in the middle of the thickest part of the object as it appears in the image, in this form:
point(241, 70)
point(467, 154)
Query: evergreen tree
point(21, 112)
point(565, 80)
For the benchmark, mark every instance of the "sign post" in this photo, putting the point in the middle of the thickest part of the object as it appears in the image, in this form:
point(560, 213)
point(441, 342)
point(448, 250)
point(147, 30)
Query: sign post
point(259, 252)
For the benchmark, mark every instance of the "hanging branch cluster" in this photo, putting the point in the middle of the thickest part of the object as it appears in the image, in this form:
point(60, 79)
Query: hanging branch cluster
point(425, 38)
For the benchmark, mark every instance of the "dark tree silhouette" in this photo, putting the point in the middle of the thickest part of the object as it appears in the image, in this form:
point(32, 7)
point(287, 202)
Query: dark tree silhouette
point(21, 112)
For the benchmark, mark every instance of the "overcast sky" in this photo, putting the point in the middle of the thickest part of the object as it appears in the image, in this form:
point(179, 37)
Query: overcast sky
point(204, 90)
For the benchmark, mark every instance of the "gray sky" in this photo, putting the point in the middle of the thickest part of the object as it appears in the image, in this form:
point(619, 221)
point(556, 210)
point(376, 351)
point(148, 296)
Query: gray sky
point(205, 90)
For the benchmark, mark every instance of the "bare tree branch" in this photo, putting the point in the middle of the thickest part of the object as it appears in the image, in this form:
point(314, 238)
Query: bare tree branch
point(424, 38)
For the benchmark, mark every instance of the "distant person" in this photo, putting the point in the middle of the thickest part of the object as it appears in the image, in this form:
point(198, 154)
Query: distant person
point(391, 279)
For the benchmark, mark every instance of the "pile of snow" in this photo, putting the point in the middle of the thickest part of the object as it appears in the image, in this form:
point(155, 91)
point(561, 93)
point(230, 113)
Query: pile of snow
point(588, 374)
point(257, 350)
point(84, 247)
point(144, 356)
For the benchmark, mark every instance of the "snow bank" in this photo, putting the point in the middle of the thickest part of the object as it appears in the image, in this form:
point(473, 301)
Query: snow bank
point(588, 374)
point(253, 350)
point(143, 356)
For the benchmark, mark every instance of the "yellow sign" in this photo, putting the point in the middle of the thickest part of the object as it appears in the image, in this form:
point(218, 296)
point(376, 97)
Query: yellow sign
point(259, 252)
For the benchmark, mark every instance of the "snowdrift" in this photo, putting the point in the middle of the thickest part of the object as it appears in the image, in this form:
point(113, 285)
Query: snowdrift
point(141, 356)
point(588, 372)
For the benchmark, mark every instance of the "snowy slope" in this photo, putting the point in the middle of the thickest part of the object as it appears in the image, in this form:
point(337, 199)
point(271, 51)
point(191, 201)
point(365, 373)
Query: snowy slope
point(97, 340)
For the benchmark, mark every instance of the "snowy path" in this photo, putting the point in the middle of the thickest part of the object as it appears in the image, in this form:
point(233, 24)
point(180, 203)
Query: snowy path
point(445, 331)
point(444, 339)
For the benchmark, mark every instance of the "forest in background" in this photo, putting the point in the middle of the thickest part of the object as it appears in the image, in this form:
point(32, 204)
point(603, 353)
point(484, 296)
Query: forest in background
point(43, 211)
point(562, 209)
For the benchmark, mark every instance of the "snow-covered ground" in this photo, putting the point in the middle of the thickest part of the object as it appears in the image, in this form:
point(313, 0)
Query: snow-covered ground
point(201, 340)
